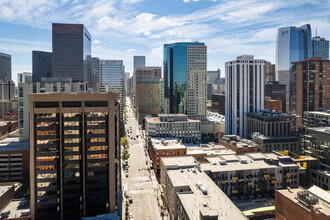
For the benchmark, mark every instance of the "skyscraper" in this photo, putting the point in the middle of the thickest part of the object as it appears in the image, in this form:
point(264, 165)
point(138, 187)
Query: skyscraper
point(292, 44)
point(245, 78)
point(41, 65)
point(312, 80)
point(214, 78)
point(95, 65)
point(72, 53)
point(111, 74)
point(320, 48)
point(5, 66)
point(185, 78)
point(74, 155)
point(138, 61)
point(269, 72)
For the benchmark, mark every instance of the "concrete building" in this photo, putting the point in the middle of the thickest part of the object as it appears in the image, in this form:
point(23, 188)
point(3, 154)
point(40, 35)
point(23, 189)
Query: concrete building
point(276, 91)
point(51, 85)
point(292, 44)
point(252, 173)
point(41, 65)
point(149, 98)
point(14, 160)
point(316, 119)
point(82, 130)
point(5, 66)
point(218, 103)
point(312, 86)
point(269, 72)
point(164, 147)
point(16, 209)
point(71, 56)
point(8, 191)
point(111, 77)
point(302, 204)
point(24, 77)
point(191, 194)
point(320, 47)
point(316, 144)
point(216, 120)
point(174, 126)
point(245, 78)
point(185, 79)
point(272, 130)
point(236, 143)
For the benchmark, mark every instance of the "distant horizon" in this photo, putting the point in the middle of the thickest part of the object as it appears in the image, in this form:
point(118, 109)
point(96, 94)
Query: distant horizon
point(127, 28)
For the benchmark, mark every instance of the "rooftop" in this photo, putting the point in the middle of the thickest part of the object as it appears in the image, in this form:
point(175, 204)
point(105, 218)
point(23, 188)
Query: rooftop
point(263, 137)
point(4, 187)
point(248, 161)
point(322, 205)
point(167, 144)
point(269, 114)
point(13, 144)
point(327, 113)
point(16, 208)
point(183, 161)
point(209, 150)
point(321, 129)
point(177, 118)
point(237, 140)
point(205, 196)
point(216, 117)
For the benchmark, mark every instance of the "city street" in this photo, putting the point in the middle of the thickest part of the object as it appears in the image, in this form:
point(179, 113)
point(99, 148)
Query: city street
point(140, 184)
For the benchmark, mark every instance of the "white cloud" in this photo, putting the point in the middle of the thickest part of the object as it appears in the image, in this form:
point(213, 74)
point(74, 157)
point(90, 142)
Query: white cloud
point(130, 50)
point(96, 41)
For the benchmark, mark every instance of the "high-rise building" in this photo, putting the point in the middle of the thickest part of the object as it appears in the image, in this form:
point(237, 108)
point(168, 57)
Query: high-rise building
point(138, 61)
point(316, 119)
point(270, 72)
point(72, 53)
point(24, 77)
point(95, 65)
point(53, 85)
point(276, 91)
point(5, 66)
point(41, 65)
point(111, 77)
point(244, 92)
point(214, 78)
point(74, 155)
point(293, 44)
point(7, 96)
point(185, 79)
point(312, 81)
point(218, 103)
point(320, 48)
point(209, 90)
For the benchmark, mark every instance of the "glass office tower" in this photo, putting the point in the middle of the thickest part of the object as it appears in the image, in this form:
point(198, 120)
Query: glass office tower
point(293, 44)
point(5, 66)
point(111, 77)
point(72, 52)
point(320, 48)
point(41, 65)
point(185, 78)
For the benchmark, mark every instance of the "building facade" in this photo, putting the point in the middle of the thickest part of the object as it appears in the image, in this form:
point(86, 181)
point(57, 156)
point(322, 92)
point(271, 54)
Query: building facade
point(24, 77)
point(274, 105)
point(219, 103)
point(5, 66)
point(269, 72)
point(312, 79)
point(71, 56)
point(320, 47)
point(74, 154)
point(292, 44)
point(214, 78)
point(24, 89)
point(149, 97)
point(185, 79)
point(41, 65)
point(276, 91)
point(95, 65)
point(7, 96)
point(244, 92)
point(111, 77)
point(174, 126)
point(316, 119)
point(138, 61)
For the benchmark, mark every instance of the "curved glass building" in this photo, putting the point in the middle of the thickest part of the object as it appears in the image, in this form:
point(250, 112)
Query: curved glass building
point(292, 44)
point(185, 78)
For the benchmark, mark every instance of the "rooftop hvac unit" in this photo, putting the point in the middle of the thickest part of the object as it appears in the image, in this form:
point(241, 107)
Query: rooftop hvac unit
point(5, 214)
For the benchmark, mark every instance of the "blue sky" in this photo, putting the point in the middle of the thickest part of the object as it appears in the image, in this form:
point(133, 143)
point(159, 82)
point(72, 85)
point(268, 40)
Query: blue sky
point(121, 29)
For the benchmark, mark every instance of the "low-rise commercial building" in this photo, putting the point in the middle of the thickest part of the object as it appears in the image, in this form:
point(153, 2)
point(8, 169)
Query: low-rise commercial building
point(236, 143)
point(16, 209)
point(252, 174)
point(317, 144)
point(8, 191)
point(191, 194)
point(267, 144)
point(14, 160)
point(174, 126)
point(164, 147)
point(316, 119)
point(214, 124)
point(301, 204)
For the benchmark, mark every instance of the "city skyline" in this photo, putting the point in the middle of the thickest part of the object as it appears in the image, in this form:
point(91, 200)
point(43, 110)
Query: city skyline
point(123, 29)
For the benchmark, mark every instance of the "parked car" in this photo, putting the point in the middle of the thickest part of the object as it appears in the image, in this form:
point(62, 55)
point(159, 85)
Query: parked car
point(130, 215)
point(126, 173)
point(130, 199)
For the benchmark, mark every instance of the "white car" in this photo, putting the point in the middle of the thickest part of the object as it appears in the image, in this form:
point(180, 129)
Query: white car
point(130, 215)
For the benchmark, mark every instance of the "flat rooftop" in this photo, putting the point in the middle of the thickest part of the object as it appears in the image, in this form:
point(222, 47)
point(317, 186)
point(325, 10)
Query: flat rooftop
point(13, 144)
point(4, 187)
point(321, 129)
point(17, 208)
point(318, 113)
point(167, 144)
point(249, 161)
point(213, 203)
point(209, 150)
point(182, 161)
point(323, 200)
point(157, 120)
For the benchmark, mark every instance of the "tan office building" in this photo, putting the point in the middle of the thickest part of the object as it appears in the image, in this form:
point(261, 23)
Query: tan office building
point(74, 155)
